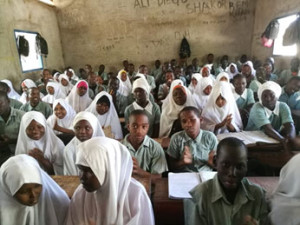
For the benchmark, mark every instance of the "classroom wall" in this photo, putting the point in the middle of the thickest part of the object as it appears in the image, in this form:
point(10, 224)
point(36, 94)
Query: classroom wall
point(28, 15)
point(266, 10)
point(98, 31)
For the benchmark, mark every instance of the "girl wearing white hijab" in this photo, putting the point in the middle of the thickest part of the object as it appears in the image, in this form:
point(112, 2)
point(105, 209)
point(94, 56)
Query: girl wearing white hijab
point(54, 92)
point(285, 201)
point(224, 76)
point(62, 118)
point(232, 70)
point(202, 92)
point(107, 116)
point(205, 72)
point(172, 105)
point(64, 84)
point(27, 84)
point(221, 114)
point(79, 96)
point(12, 93)
point(108, 194)
point(20, 175)
point(195, 81)
point(125, 84)
point(38, 140)
point(86, 126)
point(73, 78)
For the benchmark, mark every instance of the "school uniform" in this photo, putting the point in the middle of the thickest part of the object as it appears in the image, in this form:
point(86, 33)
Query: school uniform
point(103, 75)
point(150, 155)
point(209, 205)
point(163, 91)
point(273, 77)
point(245, 99)
point(15, 103)
point(122, 102)
point(200, 148)
point(156, 73)
point(42, 107)
point(254, 85)
point(285, 76)
point(293, 101)
point(151, 81)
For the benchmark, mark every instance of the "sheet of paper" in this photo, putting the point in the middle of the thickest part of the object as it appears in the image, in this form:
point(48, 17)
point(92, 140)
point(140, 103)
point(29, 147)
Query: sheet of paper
point(207, 175)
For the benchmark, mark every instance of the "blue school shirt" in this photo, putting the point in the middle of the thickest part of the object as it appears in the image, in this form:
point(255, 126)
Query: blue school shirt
point(293, 101)
point(259, 116)
point(245, 99)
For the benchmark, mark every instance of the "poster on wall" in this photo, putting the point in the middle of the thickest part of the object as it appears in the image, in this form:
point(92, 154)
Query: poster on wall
point(29, 52)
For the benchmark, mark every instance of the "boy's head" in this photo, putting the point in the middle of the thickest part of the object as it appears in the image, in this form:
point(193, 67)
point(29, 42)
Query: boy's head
point(4, 87)
point(268, 67)
point(239, 83)
point(138, 125)
point(114, 83)
point(34, 96)
point(4, 103)
point(195, 62)
point(169, 77)
point(210, 58)
point(292, 86)
point(157, 63)
point(83, 73)
point(92, 79)
point(130, 68)
point(125, 64)
point(190, 119)
point(101, 69)
point(47, 75)
point(231, 163)
point(143, 69)
point(103, 105)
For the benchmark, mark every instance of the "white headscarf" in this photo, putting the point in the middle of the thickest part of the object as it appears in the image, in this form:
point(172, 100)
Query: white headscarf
point(71, 149)
point(198, 77)
point(53, 202)
point(125, 86)
point(108, 119)
point(56, 76)
point(170, 109)
point(74, 76)
point(250, 64)
point(120, 199)
point(209, 69)
point(65, 122)
point(79, 103)
point(231, 75)
point(49, 144)
point(57, 93)
point(29, 84)
point(225, 74)
point(12, 94)
point(213, 114)
point(285, 201)
point(65, 89)
point(199, 97)
point(269, 85)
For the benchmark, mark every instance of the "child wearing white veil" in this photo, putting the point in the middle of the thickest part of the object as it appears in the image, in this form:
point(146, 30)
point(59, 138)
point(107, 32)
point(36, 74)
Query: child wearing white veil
point(202, 92)
point(125, 84)
point(108, 194)
point(54, 92)
point(232, 70)
point(49, 204)
point(221, 114)
point(38, 140)
point(64, 84)
point(11, 93)
point(27, 84)
point(195, 81)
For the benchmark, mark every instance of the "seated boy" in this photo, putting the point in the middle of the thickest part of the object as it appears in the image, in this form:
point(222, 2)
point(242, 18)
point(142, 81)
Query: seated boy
point(147, 155)
point(192, 149)
point(290, 93)
point(13, 102)
point(228, 198)
point(164, 88)
point(243, 96)
point(35, 103)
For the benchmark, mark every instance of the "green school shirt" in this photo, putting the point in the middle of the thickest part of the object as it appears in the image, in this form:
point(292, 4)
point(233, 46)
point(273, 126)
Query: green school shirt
point(293, 101)
point(156, 73)
point(121, 103)
point(150, 155)
point(242, 102)
point(209, 205)
point(151, 81)
point(42, 107)
point(200, 148)
point(15, 103)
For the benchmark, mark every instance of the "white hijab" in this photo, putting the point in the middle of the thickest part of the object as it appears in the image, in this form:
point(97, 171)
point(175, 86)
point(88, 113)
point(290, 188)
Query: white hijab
point(199, 97)
point(213, 114)
point(56, 95)
point(120, 199)
point(53, 202)
point(198, 77)
point(108, 119)
point(49, 144)
point(226, 75)
point(29, 84)
point(65, 122)
point(285, 201)
point(250, 64)
point(65, 89)
point(170, 109)
point(74, 76)
point(142, 83)
point(269, 85)
point(12, 94)
point(125, 86)
point(79, 103)
point(231, 75)
point(71, 149)
point(209, 69)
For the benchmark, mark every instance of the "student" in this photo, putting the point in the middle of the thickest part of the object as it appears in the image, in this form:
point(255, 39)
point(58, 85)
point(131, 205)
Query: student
point(92, 81)
point(270, 115)
point(12, 102)
point(25, 85)
point(28, 196)
point(228, 198)
point(64, 84)
point(195, 65)
point(192, 149)
point(125, 65)
point(11, 91)
point(243, 96)
point(79, 96)
point(178, 73)
point(147, 155)
point(131, 73)
point(241, 61)
point(164, 88)
point(290, 93)
point(125, 84)
point(178, 98)
point(232, 70)
point(54, 93)
point(86, 126)
point(62, 118)
point(157, 71)
point(202, 92)
point(35, 103)
point(103, 108)
point(108, 194)
point(150, 79)
point(141, 91)
point(249, 72)
point(205, 72)
point(223, 65)
point(42, 83)
point(103, 74)
point(38, 140)
point(73, 78)
point(196, 77)
point(210, 63)
point(288, 73)
point(269, 75)
point(221, 114)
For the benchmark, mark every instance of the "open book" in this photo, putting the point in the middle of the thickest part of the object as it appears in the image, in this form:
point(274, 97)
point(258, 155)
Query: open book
point(181, 183)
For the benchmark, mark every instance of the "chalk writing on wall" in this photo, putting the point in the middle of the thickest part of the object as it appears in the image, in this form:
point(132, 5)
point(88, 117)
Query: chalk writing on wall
point(181, 34)
point(239, 8)
point(141, 3)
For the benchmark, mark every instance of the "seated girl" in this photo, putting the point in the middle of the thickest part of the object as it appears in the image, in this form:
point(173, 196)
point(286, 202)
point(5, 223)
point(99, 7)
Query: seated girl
point(54, 92)
point(38, 140)
point(64, 84)
point(202, 92)
point(232, 70)
point(270, 115)
point(11, 91)
point(164, 89)
point(103, 108)
point(86, 126)
point(243, 96)
point(221, 114)
point(205, 72)
point(178, 98)
point(28, 196)
point(196, 77)
point(224, 76)
point(79, 96)
point(108, 194)
point(125, 84)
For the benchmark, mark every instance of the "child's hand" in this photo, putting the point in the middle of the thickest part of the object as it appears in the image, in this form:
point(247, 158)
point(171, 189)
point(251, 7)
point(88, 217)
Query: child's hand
point(37, 154)
point(187, 157)
point(248, 220)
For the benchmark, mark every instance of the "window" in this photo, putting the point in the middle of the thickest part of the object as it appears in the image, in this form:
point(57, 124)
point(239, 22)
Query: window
point(279, 49)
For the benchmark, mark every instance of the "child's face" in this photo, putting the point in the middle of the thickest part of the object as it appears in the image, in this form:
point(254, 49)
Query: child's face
point(179, 96)
point(194, 82)
point(205, 73)
point(207, 90)
point(60, 111)
point(268, 99)
point(246, 71)
point(88, 179)
point(29, 194)
point(102, 108)
point(35, 130)
point(138, 127)
point(240, 85)
point(169, 78)
point(140, 95)
point(83, 130)
point(123, 76)
point(190, 122)
point(64, 82)
point(231, 164)
point(220, 102)
point(34, 96)
point(69, 74)
point(114, 85)
point(50, 90)
point(224, 79)
point(81, 91)
point(232, 69)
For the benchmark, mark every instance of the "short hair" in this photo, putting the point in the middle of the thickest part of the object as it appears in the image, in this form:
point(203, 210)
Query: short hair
point(297, 79)
point(4, 87)
point(4, 94)
point(113, 79)
point(191, 108)
point(237, 76)
point(32, 88)
point(232, 142)
point(138, 112)
point(267, 64)
point(104, 99)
